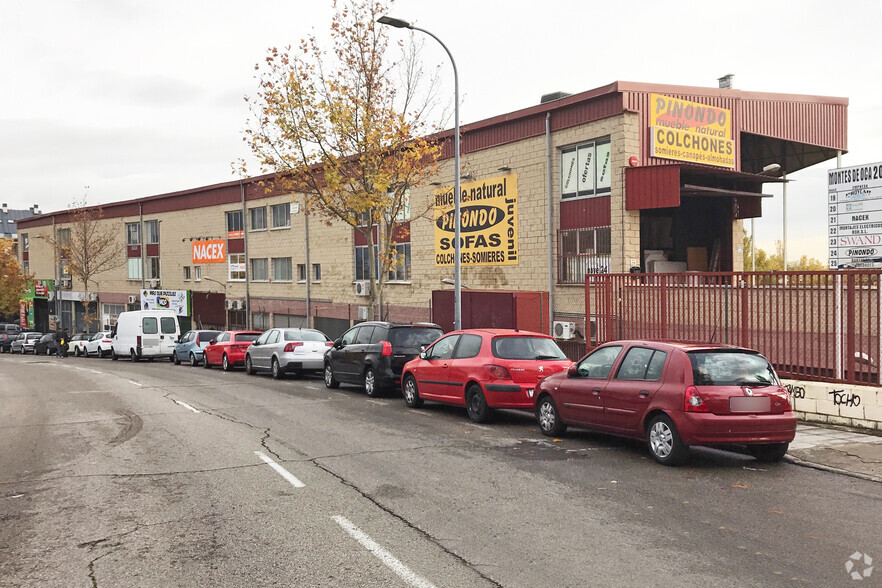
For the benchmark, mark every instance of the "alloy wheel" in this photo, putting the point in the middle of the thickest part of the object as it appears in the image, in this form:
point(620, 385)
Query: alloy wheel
point(661, 439)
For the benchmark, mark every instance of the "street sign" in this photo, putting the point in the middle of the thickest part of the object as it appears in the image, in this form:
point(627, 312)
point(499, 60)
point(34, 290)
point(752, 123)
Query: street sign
point(854, 215)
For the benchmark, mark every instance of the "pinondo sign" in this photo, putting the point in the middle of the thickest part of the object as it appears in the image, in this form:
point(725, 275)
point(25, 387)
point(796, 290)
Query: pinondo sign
point(213, 251)
point(691, 131)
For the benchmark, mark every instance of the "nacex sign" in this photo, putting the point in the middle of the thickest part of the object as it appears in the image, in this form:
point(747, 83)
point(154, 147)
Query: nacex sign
point(214, 251)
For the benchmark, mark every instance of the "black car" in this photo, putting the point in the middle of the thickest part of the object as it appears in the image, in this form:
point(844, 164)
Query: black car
point(6, 339)
point(47, 345)
point(372, 354)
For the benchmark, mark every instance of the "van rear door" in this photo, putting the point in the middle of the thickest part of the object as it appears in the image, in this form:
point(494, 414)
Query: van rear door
point(168, 333)
point(149, 336)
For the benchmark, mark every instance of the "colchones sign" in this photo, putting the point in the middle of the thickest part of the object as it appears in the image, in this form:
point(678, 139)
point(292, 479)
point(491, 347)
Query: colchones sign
point(690, 131)
point(488, 222)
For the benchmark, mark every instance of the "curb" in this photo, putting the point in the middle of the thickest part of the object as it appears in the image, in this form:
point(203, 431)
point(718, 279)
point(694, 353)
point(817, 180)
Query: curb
point(831, 469)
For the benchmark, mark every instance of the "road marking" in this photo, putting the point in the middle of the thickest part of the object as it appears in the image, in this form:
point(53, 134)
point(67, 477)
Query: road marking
point(421, 413)
point(136, 383)
point(187, 406)
point(280, 470)
point(380, 402)
point(95, 371)
point(486, 428)
point(384, 556)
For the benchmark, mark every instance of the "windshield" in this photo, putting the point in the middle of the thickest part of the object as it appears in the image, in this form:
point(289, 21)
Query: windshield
point(413, 337)
point(300, 335)
point(731, 368)
point(247, 337)
point(526, 348)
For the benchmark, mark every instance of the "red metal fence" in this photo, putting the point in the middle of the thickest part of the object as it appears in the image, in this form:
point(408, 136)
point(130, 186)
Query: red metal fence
point(811, 325)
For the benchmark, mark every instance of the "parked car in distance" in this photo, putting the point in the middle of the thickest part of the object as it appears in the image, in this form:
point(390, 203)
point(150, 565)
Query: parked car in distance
point(673, 396)
point(99, 344)
point(483, 369)
point(228, 350)
point(6, 339)
point(372, 354)
point(146, 334)
point(190, 346)
point(284, 351)
point(78, 343)
point(46, 345)
point(25, 342)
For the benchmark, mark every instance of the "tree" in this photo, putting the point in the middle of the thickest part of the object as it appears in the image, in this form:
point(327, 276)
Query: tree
point(13, 279)
point(766, 262)
point(89, 246)
point(347, 129)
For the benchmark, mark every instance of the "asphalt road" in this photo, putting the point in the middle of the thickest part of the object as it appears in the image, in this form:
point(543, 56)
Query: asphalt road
point(150, 474)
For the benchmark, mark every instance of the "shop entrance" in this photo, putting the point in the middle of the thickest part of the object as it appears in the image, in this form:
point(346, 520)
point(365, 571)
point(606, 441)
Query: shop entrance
point(695, 236)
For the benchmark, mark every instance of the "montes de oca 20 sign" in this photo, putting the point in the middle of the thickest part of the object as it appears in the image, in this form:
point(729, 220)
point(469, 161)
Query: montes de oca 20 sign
point(213, 251)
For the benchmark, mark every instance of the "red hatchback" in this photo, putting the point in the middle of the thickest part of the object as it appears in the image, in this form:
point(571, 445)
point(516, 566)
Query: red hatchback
point(228, 349)
point(482, 369)
point(673, 396)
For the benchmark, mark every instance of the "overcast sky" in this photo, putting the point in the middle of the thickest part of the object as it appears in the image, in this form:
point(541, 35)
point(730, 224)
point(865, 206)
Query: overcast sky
point(134, 98)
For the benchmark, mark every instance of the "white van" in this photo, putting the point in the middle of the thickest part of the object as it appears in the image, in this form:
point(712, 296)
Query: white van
point(145, 333)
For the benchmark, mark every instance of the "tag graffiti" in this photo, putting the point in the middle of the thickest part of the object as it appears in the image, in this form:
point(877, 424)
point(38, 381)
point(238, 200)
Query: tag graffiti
point(795, 391)
point(841, 398)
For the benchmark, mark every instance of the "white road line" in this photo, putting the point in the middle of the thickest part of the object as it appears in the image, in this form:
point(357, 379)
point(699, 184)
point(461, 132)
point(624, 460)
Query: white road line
point(136, 383)
point(380, 402)
point(486, 428)
point(421, 413)
point(384, 556)
point(187, 406)
point(95, 371)
point(280, 470)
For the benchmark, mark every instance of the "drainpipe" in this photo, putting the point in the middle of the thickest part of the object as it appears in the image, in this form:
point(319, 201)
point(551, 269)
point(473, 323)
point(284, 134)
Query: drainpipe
point(142, 242)
point(56, 308)
point(247, 270)
point(550, 225)
point(308, 268)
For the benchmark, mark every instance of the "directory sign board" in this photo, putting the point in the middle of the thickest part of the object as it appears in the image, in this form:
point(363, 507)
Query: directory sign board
point(854, 215)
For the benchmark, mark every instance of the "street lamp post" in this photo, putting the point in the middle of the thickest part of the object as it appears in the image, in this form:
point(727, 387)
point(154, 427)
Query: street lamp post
point(457, 262)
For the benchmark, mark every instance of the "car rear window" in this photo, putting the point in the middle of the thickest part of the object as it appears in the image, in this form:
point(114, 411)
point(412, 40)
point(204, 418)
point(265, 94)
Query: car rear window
point(526, 347)
point(149, 325)
point(731, 368)
point(168, 325)
point(413, 337)
point(298, 335)
point(247, 337)
point(208, 335)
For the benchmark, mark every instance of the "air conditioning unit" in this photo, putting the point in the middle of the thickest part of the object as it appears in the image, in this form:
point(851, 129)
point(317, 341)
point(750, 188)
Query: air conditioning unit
point(228, 304)
point(92, 297)
point(564, 330)
point(65, 282)
point(154, 283)
point(362, 287)
point(133, 299)
point(237, 305)
point(363, 313)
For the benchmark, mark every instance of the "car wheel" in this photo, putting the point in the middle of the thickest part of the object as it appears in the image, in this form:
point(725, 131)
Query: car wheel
point(411, 393)
point(769, 452)
point(664, 441)
point(22, 350)
point(205, 363)
point(113, 355)
point(370, 383)
point(175, 359)
point(476, 405)
point(249, 367)
point(134, 355)
point(276, 369)
point(48, 352)
point(548, 418)
point(225, 363)
point(330, 382)
point(193, 361)
point(76, 351)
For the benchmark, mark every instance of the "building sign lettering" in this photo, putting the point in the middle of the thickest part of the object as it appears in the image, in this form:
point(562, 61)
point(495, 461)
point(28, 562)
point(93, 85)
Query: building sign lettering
point(690, 131)
point(213, 251)
point(176, 300)
point(854, 215)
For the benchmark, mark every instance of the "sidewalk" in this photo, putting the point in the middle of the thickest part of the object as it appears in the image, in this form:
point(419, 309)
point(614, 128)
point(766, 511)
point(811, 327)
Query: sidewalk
point(834, 449)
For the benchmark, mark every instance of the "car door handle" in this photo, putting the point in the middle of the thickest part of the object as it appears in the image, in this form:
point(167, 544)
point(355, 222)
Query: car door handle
point(644, 393)
point(596, 391)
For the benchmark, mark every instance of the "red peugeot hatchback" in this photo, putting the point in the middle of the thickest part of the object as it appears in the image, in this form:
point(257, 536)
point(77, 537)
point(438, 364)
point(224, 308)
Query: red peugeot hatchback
point(482, 369)
point(673, 396)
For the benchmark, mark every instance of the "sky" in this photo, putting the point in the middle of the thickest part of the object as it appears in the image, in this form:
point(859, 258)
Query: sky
point(121, 99)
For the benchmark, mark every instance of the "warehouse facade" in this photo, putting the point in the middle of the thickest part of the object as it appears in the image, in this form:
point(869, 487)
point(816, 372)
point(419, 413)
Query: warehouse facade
point(626, 175)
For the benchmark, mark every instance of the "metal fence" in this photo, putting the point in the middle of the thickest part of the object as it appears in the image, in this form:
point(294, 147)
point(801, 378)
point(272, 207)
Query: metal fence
point(812, 325)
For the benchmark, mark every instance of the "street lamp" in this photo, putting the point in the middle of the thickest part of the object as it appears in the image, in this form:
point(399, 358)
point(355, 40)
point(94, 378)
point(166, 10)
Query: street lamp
point(457, 265)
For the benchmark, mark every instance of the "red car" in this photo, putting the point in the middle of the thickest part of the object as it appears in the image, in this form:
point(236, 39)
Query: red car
point(228, 349)
point(673, 396)
point(482, 369)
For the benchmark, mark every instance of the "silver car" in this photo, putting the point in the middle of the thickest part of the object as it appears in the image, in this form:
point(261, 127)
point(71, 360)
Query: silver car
point(286, 351)
point(25, 343)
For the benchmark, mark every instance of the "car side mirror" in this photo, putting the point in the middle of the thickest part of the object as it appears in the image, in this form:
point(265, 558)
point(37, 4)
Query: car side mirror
point(255, 343)
point(338, 344)
point(573, 371)
point(212, 342)
point(422, 355)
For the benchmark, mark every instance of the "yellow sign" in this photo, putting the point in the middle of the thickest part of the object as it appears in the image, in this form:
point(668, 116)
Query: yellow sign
point(690, 131)
point(488, 222)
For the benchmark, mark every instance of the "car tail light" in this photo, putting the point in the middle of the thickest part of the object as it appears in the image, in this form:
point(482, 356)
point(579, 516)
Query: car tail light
point(498, 372)
point(289, 348)
point(387, 347)
point(694, 402)
point(106, 341)
point(786, 398)
point(139, 340)
point(329, 343)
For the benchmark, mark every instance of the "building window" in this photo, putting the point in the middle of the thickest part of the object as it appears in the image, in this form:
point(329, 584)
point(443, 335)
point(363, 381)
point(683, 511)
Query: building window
point(316, 272)
point(235, 224)
point(27, 266)
point(152, 268)
point(25, 242)
point(362, 263)
point(281, 215)
point(363, 218)
point(110, 312)
point(404, 212)
point(186, 273)
point(289, 321)
point(133, 234)
point(586, 169)
point(151, 228)
point(301, 272)
point(64, 237)
point(582, 251)
point(259, 270)
point(134, 268)
point(197, 273)
point(260, 321)
point(281, 269)
point(258, 218)
point(399, 266)
point(236, 263)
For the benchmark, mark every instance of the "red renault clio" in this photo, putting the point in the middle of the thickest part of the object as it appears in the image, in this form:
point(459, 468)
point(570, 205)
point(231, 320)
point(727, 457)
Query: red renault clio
point(482, 369)
point(673, 396)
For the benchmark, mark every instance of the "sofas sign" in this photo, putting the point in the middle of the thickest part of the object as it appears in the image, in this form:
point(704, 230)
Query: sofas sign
point(488, 222)
point(690, 131)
